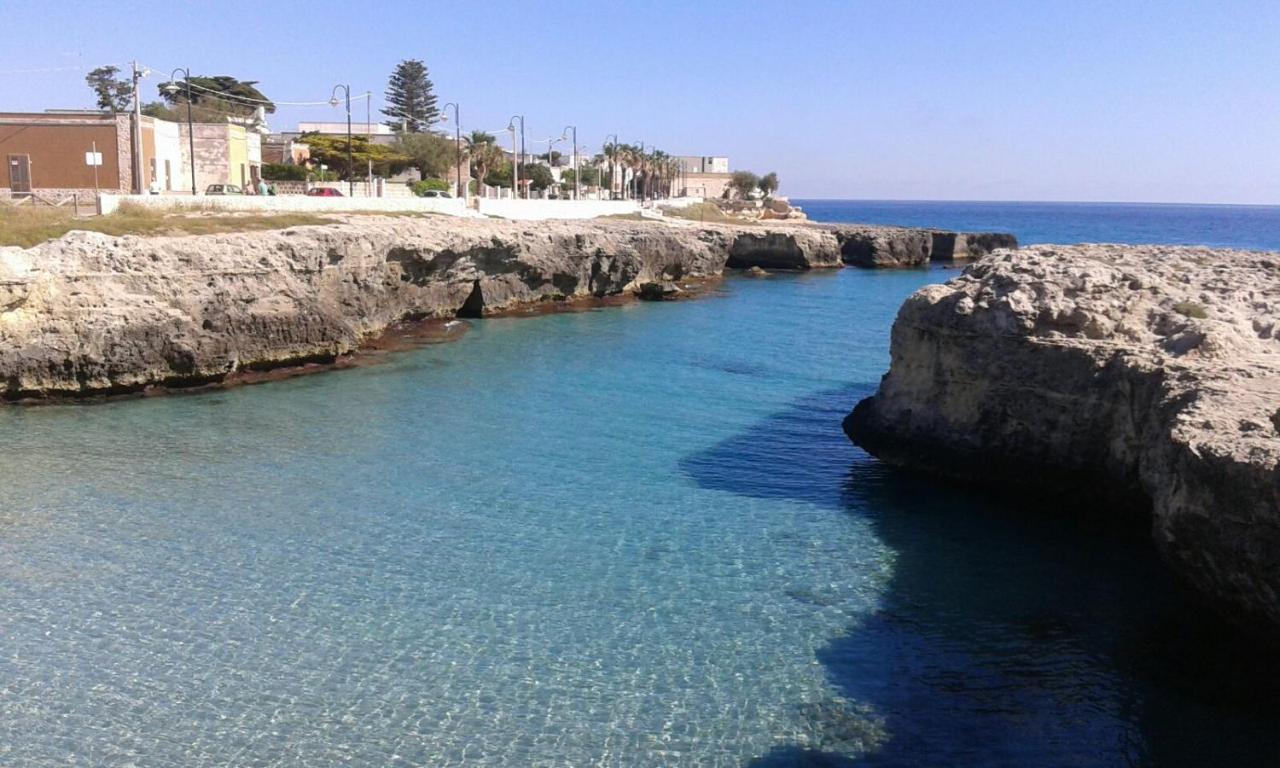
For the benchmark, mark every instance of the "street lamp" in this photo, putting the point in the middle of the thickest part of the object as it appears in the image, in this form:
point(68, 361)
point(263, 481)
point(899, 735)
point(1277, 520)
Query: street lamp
point(457, 138)
point(613, 160)
point(574, 129)
point(551, 143)
point(516, 155)
point(333, 102)
point(171, 88)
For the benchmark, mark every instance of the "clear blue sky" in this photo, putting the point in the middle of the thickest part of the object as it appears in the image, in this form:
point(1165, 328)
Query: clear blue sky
point(1120, 100)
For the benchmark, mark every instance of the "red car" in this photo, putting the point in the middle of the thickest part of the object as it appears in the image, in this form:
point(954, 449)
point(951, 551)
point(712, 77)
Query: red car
point(323, 192)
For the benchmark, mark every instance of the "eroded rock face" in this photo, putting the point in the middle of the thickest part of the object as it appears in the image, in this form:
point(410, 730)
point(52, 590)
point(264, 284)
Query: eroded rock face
point(784, 248)
point(895, 247)
point(1150, 372)
point(90, 313)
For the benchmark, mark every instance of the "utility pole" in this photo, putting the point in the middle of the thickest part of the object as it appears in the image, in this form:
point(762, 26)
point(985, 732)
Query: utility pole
point(460, 191)
point(137, 130)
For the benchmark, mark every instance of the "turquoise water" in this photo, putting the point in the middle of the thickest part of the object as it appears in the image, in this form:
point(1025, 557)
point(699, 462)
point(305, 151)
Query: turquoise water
point(627, 537)
point(1226, 226)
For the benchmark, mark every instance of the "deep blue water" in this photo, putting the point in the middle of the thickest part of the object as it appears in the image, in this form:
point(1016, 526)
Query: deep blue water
point(1227, 226)
point(626, 537)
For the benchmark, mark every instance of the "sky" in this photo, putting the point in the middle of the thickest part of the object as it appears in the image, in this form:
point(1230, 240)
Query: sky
point(1074, 101)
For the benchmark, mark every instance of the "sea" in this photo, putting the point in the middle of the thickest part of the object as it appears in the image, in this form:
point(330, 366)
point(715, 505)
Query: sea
point(631, 536)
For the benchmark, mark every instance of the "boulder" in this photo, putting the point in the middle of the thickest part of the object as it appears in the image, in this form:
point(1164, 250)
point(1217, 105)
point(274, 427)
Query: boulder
point(657, 291)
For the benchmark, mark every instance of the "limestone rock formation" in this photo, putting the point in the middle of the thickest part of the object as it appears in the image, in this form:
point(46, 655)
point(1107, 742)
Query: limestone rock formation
point(783, 248)
point(90, 313)
point(880, 247)
point(1151, 372)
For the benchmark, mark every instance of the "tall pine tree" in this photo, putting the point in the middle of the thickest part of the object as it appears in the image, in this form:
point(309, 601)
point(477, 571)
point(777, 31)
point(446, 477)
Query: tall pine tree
point(411, 98)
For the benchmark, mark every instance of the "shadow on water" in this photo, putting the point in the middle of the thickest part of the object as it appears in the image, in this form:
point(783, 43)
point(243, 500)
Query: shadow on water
point(1015, 631)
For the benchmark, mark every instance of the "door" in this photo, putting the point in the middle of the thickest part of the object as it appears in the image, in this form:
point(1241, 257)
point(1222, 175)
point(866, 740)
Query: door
point(20, 174)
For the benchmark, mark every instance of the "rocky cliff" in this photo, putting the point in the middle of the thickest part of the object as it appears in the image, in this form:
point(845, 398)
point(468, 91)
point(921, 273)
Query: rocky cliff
point(90, 313)
point(1151, 373)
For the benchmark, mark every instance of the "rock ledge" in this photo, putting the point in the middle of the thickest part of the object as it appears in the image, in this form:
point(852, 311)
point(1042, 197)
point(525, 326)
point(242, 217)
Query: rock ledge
point(1152, 372)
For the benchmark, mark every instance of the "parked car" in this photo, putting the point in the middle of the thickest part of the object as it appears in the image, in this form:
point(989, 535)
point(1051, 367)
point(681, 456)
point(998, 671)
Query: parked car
point(323, 192)
point(436, 193)
point(224, 189)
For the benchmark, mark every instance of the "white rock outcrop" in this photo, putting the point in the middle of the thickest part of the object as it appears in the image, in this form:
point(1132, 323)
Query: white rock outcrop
point(92, 314)
point(1150, 373)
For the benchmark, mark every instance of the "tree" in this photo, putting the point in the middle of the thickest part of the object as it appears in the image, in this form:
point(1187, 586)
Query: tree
point(331, 150)
point(431, 154)
point(538, 176)
point(216, 98)
point(411, 98)
point(590, 176)
point(769, 183)
point(500, 176)
point(114, 94)
point(744, 183)
point(485, 155)
point(163, 111)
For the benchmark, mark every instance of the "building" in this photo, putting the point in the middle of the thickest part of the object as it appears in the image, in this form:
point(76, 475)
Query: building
point(704, 176)
point(226, 153)
point(378, 133)
point(51, 153)
point(47, 151)
point(693, 164)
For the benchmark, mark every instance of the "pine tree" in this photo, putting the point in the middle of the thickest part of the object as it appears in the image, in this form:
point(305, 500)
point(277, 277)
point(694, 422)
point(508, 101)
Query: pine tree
point(411, 98)
point(114, 94)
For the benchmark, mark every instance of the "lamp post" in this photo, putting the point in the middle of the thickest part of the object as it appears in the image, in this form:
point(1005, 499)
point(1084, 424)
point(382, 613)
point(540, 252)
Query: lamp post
point(333, 102)
point(551, 143)
point(457, 139)
point(567, 130)
point(368, 134)
point(516, 154)
point(613, 161)
point(172, 88)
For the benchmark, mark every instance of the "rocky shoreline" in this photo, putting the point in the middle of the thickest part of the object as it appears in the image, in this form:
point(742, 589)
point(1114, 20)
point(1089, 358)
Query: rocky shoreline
point(90, 314)
point(1148, 375)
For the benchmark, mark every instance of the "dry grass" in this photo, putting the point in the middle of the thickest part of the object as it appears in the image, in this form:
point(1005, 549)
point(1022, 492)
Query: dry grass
point(705, 212)
point(26, 226)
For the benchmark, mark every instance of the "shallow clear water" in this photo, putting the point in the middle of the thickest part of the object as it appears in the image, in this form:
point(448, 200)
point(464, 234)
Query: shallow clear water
point(1224, 226)
point(625, 537)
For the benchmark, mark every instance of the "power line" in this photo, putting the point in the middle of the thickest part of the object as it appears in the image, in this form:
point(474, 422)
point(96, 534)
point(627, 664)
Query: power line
point(267, 102)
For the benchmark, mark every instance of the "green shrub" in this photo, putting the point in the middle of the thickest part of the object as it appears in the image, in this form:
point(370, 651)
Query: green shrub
point(282, 172)
point(420, 188)
point(1190, 309)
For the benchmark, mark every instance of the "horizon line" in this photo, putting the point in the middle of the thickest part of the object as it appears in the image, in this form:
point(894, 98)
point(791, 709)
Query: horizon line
point(1024, 202)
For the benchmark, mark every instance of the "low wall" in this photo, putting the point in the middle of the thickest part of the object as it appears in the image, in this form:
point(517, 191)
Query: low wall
point(452, 206)
point(556, 209)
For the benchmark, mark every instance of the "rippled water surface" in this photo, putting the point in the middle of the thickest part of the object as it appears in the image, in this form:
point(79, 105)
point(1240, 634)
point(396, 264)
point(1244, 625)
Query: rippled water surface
point(1225, 226)
point(626, 537)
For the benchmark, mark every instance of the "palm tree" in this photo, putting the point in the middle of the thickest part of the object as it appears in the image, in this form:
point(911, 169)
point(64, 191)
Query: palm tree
point(484, 153)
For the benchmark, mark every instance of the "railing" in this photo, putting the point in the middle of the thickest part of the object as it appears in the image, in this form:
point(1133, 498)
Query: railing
point(53, 200)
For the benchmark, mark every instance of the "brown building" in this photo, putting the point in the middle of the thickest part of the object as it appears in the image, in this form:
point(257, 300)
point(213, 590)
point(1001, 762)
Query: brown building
point(47, 151)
